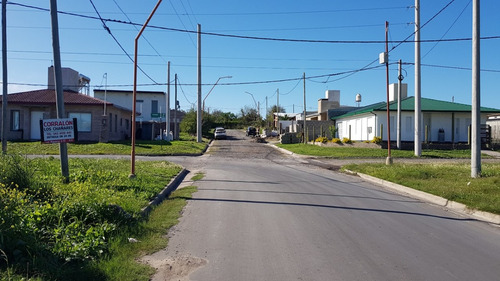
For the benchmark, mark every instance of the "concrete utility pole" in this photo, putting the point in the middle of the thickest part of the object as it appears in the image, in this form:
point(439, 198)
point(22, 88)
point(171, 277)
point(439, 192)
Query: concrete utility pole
point(63, 149)
point(175, 108)
point(5, 121)
point(304, 131)
point(417, 138)
point(134, 98)
point(400, 79)
point(476, 93)
point(198, 115)
point(167, 106)
point(388, 160)
point(278, 109)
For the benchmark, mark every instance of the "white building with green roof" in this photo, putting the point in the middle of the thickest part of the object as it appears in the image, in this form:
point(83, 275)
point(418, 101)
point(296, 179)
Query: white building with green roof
point(442, 121)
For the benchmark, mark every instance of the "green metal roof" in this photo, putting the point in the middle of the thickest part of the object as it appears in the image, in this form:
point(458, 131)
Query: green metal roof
point(426, 105)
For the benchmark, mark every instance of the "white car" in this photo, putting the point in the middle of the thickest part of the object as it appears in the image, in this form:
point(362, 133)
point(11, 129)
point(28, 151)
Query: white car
point(220, 133)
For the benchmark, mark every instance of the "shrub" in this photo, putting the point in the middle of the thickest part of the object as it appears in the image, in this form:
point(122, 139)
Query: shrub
point(377, 140)
point(322, 139)
point(336, 140)
point(346, 140)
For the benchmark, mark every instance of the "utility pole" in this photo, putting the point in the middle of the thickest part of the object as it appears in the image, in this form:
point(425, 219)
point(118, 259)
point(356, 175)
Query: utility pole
point(388, 161)
point(198, 115)
point(63, 149)
point(5, 84)
point(304, 131)
point(167, 107)
point(418, 118)
point(476, 93)
point(400, 79)
point(175, 110)
point(278, 109)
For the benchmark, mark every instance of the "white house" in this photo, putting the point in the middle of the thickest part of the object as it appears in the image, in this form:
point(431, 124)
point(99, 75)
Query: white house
point(441, 121)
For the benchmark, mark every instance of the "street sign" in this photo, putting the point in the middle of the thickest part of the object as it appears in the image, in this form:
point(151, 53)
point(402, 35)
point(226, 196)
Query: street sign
point(58, 130)
point(157, 115)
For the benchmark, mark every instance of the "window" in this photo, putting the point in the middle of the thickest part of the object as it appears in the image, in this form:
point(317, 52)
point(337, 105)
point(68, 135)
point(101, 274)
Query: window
point(126, 124)
point(116, 122)
point(121, 122)
point(84, 121)
point(15, 122)
point(154, 106)
point(409, 124)
point(111, 122)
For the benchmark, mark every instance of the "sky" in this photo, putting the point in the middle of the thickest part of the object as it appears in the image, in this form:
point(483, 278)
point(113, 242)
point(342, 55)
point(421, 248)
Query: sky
point(265, 46)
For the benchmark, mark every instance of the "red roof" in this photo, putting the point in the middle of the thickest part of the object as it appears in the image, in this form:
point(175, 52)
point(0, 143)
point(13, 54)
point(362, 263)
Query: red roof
point(48, 97)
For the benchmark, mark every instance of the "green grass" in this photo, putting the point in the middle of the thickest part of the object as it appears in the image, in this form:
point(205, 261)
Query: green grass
point(450, 181)
point(122, 265)
point(50, 230)
point(180, 147)
point(362, 152)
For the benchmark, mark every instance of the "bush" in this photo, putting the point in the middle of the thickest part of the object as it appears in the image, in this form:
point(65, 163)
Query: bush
point(346, 140)
point(336, 140)
point(377, 140)
point(321, 139)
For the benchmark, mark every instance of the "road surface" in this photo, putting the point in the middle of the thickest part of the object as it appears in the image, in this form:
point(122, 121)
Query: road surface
point(262, 215)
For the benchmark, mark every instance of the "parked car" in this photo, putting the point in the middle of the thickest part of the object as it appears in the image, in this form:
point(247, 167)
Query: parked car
point(251, 131)
point(219, 133)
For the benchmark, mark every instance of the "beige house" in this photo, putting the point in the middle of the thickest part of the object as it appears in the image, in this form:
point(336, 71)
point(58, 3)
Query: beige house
point(26, 109)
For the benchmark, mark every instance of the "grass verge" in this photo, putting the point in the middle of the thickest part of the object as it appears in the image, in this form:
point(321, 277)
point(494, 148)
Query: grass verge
point(156, 148)
point(450, 181)
point(363, 152)
point(50, 230)
point(122, 262)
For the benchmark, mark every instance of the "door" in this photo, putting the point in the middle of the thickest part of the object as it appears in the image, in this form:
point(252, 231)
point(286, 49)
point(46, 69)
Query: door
point(36, 116)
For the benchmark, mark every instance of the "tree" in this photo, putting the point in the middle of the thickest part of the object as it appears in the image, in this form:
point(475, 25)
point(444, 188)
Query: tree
point(188, 123)
point(249, 116)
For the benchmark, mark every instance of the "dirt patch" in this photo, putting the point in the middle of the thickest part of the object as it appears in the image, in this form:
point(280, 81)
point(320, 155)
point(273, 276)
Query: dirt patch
point(173, 268)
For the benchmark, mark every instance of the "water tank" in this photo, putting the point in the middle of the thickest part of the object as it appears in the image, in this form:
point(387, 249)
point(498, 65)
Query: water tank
point(358, 98)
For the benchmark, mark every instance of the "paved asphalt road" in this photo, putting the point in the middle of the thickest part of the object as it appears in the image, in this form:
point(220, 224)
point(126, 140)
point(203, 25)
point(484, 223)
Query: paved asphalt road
point(261, 215)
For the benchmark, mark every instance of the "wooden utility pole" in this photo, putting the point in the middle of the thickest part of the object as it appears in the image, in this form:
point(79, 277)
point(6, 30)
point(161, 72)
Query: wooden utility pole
point(63, 149)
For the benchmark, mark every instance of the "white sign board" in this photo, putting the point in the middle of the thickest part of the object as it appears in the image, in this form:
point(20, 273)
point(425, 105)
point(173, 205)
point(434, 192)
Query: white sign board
point(58, 130)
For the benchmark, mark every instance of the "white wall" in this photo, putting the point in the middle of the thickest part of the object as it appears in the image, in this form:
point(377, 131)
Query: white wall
point(360, 125)
point(124, 99)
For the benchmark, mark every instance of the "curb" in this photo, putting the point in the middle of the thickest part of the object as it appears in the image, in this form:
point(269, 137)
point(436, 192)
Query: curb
point(436, 200)
point(171, 186)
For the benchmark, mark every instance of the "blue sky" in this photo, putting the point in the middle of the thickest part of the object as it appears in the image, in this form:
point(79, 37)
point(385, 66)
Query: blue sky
point(255, 64)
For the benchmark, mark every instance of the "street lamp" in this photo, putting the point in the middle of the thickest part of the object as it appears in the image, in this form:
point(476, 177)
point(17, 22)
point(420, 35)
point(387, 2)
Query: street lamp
point(256, 106)
point(203, 110)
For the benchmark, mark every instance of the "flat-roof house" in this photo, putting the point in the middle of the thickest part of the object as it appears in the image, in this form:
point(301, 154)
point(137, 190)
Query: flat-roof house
point(442, 121)
point(26, 109)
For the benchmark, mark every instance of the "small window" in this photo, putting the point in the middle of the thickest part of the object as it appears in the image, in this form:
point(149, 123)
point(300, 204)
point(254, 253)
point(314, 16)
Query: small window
point(15, 122)
point(154, 106)
point(116, 122)
point(126, 124)
point(121, 122)
point(84, 121)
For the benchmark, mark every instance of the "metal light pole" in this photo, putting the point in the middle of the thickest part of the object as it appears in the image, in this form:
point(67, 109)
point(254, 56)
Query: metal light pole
point(388, 160)
point(223, 77)
point(418, 109)
point(134, 98)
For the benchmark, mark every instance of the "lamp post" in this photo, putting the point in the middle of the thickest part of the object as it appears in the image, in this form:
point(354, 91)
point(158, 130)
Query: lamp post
point(203, 110)
point(256, 106)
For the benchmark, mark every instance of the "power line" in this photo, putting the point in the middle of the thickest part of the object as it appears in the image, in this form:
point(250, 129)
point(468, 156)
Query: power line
point(399, 42)
point(117, 42)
